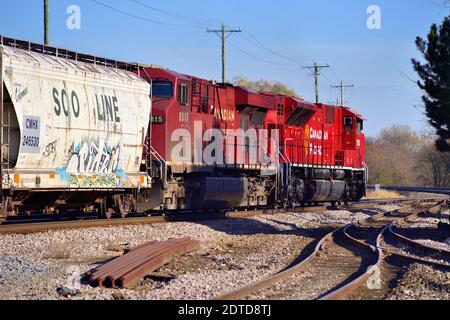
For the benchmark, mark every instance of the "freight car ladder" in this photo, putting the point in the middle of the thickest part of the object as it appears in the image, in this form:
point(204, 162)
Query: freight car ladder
point(5, 138)
point(5, 144)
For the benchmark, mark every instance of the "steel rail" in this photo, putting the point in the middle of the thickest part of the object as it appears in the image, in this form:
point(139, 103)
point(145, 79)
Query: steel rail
point(394, 251)
point(413, 243)
point(282, 275)
point(36, 227)
point(337, 294)
point(346, 290)
point(129, 269)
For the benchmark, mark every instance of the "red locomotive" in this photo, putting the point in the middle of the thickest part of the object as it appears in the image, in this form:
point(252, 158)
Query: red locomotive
point(316, 151)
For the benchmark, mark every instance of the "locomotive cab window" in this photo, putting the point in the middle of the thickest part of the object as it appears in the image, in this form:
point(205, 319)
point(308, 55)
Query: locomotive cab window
point(359, 125)
point(162, 89)
point(183, 94)
point(348, 123)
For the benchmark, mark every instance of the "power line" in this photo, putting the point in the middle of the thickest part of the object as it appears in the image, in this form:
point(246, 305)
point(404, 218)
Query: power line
point(261, 45)
point(198, 21)
point(46, 18)
point(141, 18)
point(342, 88)
point(334, 74)
point(223, 34)
point(256, 57)
point(351, 96)
point(317, 68)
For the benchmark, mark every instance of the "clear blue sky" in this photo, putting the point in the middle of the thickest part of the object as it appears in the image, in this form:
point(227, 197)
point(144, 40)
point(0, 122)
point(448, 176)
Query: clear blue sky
point(329, 31)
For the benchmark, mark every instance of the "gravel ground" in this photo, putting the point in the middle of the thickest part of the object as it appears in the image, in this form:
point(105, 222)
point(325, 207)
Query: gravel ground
point(421, 282)
point(233, 253)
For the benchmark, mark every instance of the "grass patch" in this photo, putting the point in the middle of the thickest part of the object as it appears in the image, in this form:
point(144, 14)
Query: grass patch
point(60, 253)
point(112, 247)
point(382, 194)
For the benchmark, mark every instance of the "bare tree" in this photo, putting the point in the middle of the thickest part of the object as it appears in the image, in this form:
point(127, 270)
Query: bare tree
point(433, 167)
point(399, 156)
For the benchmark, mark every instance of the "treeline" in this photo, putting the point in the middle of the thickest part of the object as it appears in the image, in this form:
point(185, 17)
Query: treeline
point(401, 157)
point(264, 85)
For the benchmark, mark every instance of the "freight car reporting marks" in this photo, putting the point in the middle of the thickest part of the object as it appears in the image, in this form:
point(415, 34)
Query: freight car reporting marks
point(31, 134)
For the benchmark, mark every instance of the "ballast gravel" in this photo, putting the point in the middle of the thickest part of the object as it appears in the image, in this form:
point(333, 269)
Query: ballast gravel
point(421, 282)
point(233, 253)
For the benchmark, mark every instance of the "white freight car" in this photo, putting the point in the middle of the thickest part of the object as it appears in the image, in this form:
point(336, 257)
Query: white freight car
point(73, 129)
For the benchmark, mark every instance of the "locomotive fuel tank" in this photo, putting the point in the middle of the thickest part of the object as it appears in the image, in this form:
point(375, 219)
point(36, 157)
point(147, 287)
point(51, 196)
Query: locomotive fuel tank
point(70, 124)
point(220, 192)
point(325, 190)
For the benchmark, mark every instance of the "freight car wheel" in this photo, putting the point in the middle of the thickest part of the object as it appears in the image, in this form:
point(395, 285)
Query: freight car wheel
point(7, 208)
point(124, 205)
point(108, 213)
point(104, 209)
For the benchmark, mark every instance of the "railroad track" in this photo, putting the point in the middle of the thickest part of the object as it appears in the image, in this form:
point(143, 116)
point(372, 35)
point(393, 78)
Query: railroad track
point(27, 226)
point(401, 246)
point(345, 259)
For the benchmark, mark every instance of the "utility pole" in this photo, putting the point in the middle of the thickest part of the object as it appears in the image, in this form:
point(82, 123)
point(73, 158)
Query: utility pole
point(342, 88)
point(317, 68)
point(46, 18)
point(224, 33)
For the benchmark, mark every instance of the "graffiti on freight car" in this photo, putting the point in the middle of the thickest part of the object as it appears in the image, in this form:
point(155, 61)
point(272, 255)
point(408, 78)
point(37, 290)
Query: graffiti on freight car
point(92, 181)
point(50, 150)
point(94, 158)
point(92, 164)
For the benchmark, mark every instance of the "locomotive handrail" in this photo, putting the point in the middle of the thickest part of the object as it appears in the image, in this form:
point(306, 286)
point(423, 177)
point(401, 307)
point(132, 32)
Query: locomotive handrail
point(323, 144)
point(283, 156)
point(163, 163)
point(367, 173)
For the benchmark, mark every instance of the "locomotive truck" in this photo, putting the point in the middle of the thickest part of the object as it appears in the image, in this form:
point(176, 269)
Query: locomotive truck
point(80, 132)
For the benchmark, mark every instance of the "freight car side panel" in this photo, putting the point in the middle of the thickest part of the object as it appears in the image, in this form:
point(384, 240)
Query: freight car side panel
point(73, 125)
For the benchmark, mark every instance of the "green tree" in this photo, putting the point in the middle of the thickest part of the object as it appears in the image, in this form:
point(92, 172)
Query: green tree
point(264, 85)
point(435, 80)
